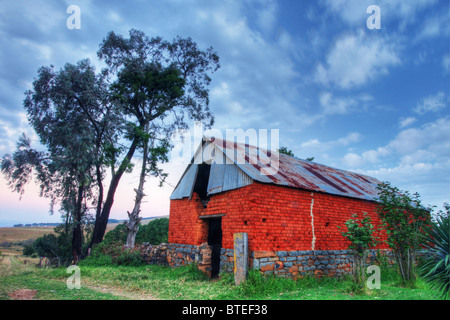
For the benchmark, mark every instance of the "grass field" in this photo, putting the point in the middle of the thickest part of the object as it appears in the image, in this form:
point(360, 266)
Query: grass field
point(11, 238)
point(23, 233)
point(150, 282)
point(20, 279)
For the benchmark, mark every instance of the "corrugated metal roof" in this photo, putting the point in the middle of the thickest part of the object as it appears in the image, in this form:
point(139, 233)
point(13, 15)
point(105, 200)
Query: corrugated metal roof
point(297, 173)
point(222, 176)
point(186, 184)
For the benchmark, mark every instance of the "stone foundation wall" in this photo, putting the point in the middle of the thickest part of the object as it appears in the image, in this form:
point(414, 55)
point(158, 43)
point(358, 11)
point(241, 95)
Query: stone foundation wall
point(294, 264)
point(154, 254)
point(290, 264)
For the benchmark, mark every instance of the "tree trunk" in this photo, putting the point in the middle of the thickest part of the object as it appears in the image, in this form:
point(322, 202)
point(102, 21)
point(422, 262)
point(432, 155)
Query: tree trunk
point(98, 211)
point(102, 221)
point(77, 233)
point(133, 224)
point(134, 219)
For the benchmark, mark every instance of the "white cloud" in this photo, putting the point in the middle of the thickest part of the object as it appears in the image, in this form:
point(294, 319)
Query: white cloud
point(417, 159)
point(355, 60)
point(433, 137)
point(332, 105)
point(353, 12)
point(431, 103)
point(428, 143)
point(446, 63)
point(267, 14)
point(10, 132)
point(350, 138)
point(405, 122)
point(314, 147)
point(354, 160)
point(436, 25)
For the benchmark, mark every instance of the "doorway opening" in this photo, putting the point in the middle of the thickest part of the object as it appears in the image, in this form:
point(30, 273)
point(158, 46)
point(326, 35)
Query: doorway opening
point(215, 241)
point(201, 183)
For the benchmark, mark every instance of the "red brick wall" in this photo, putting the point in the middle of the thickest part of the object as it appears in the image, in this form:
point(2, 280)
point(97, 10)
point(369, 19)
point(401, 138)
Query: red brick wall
point(275, 218)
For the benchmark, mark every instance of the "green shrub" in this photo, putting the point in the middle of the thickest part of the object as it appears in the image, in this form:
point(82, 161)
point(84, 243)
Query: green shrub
point(116, 235)
point(404, 219)
point(114, 253)
point(28, 250)
point(154, 232)
point(360, 234)
point(435, 268)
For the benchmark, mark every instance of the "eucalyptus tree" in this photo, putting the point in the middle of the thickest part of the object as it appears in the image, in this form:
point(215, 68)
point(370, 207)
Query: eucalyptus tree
point(160, 86)
point(70, 113)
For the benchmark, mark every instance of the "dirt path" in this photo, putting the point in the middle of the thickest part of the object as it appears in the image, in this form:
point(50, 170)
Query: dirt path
point(29, 294)
point(9, 263)
point(119, 292)
point(22, 294)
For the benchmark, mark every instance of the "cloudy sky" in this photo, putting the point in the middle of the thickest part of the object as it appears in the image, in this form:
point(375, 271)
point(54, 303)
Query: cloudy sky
point(375, 101)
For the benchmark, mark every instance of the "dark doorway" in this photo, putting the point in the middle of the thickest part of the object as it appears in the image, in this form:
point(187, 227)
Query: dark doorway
point(215, 241)
point(201, 183)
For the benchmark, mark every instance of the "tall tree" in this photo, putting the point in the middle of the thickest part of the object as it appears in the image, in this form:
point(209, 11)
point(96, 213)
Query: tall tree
point(160, 86)
point(157, 89)
point(68, 110)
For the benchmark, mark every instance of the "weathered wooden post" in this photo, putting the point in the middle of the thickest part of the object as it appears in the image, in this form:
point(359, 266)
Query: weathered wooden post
point(240, 257)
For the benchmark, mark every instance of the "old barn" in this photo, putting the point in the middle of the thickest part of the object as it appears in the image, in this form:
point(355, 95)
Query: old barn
point(291, 217)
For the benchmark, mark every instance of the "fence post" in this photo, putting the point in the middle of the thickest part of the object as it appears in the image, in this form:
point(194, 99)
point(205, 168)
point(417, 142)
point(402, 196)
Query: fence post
point(240, 257)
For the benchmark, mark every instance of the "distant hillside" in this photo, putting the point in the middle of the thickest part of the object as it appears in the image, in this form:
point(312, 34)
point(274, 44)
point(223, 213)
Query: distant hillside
point(144, 220)
point(42, 224)
point(11, 224)
point(112, 223)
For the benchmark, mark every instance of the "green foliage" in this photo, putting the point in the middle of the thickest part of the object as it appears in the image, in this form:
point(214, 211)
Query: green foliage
point(154, 232)
point(360, 233)
point(28, 250)
point(404, 219)
point(113, 253)
point(118, 234)
point(435, 268)
point(56, 246)
point(286, 151)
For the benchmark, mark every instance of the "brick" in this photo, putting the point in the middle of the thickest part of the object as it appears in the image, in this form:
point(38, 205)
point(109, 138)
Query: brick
point(267, 267)
point(263, 254)
point(278, 222)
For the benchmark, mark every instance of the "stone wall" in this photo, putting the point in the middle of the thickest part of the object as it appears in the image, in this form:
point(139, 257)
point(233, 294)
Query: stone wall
point(154, 254)
point(290, 264)
point(294, 264)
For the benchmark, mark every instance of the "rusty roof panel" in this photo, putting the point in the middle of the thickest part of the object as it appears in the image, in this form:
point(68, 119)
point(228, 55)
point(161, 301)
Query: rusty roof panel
point(297, 173)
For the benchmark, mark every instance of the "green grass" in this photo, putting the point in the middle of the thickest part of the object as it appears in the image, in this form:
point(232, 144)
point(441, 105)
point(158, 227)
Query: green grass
point(48, 286)
point(162, 282)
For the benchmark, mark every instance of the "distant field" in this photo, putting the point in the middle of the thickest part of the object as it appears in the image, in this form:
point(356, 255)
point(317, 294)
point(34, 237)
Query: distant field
point(11, 237)
point(23, 233)
point(15, 235)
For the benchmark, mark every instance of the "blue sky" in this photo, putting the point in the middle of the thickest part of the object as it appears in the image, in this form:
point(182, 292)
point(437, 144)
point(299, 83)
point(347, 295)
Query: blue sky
point(375, 101)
